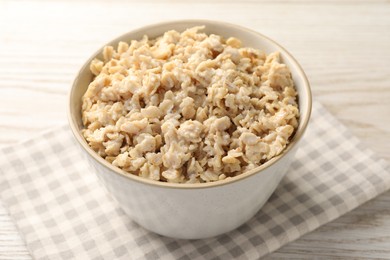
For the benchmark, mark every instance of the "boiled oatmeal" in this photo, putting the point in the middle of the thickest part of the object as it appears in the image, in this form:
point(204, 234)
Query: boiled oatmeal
point(188, 107)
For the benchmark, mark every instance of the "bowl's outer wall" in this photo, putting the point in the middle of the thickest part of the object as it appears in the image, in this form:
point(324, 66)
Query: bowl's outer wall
point(194, 213)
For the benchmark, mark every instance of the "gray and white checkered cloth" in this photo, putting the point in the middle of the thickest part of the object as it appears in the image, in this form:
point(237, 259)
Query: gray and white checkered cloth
point(63, 212)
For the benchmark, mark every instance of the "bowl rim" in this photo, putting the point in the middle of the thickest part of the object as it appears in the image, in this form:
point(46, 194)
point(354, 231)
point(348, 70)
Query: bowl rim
point(111, 168)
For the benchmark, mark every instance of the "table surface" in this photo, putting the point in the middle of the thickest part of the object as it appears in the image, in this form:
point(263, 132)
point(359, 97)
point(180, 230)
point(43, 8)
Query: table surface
point(342, 45)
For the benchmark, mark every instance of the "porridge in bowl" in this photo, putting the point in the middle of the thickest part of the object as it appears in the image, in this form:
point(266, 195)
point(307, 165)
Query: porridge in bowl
point(189, 107)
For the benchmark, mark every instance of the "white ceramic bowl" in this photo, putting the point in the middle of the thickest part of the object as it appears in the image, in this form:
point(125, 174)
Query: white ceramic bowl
point(193, 211)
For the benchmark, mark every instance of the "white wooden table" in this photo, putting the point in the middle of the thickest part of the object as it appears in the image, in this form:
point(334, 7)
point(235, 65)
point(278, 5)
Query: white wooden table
point(344, 46)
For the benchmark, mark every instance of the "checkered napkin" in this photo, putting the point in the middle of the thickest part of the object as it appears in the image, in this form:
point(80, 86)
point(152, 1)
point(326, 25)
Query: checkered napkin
point(63, 212)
